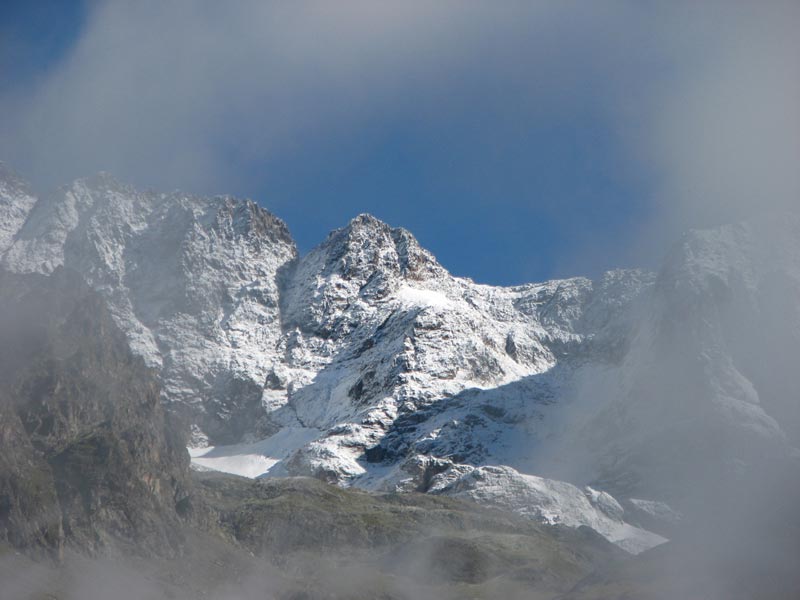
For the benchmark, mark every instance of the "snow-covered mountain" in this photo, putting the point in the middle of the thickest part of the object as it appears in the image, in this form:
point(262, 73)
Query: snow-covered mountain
point(709, 388)
point(366, 363)
point(192, 281)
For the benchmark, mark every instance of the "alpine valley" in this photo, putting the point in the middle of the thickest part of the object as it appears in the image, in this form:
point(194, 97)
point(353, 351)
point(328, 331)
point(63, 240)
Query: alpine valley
point(545, 439)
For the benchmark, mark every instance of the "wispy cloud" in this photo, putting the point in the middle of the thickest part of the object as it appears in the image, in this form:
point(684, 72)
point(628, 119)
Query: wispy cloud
point(204, 95)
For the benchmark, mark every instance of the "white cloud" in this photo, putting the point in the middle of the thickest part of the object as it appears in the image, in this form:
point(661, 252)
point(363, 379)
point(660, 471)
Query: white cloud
point(725, 137)
point(203, 95)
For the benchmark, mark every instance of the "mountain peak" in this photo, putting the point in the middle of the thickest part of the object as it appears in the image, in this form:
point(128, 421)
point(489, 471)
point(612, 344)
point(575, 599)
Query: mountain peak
point(370, 225)
point(364, 228)
point(100, 181)
point(11, 182)
point(250, 218)
point(367, 245)
point(366, 220)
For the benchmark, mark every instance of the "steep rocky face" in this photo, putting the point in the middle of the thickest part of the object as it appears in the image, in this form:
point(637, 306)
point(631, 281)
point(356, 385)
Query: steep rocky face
point(389, 357)
point(29, 512)
point(192, 282)
point(16, 202)
point(338, 351)
point(87, 456)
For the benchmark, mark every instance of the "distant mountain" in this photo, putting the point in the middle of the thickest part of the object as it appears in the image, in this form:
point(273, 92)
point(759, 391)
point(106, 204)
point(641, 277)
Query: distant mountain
point(709, 389)
point(365, 363)
point(192, 282)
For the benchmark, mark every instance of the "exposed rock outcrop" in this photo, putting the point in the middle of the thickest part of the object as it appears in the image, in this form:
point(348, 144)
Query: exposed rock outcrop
point(87, 454)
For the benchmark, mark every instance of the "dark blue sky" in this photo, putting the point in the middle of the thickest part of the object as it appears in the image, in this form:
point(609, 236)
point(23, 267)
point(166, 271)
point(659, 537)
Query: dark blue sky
point(35, 35)
point(516, 144)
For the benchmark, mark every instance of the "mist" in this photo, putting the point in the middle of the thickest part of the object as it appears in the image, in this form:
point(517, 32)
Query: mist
point(702, 412)
point(702, 100)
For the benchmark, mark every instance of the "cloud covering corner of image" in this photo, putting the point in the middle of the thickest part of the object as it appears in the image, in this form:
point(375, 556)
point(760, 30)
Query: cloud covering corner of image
point(598, 130)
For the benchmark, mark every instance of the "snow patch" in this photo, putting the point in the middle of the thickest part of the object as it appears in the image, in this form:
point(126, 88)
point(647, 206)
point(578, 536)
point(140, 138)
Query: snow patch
point(256, 459)
point(545, 500)
point(420, 297)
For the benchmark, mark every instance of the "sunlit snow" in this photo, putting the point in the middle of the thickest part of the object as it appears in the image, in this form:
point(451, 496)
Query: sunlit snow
point(255, 459)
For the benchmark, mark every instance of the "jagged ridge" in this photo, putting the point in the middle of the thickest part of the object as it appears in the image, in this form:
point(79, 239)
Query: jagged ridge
point(366, 363)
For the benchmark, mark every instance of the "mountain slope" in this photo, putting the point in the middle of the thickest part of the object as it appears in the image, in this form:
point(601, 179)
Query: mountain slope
point(94, 475)
point(191, 281)
point(365, 363)
point(708, 390)
point(88, 458)
point(362, 332)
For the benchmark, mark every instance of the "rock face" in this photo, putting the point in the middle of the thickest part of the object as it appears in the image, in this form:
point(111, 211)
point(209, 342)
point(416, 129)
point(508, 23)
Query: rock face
point(191, 281)
point(87, 457)
point(16, 202)
point(389, 357)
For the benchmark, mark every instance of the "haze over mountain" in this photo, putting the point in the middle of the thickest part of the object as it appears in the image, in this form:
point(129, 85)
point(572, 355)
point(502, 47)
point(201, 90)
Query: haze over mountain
point(307, 395)
point(542, 139)
point(97, 499)
point(365, 363)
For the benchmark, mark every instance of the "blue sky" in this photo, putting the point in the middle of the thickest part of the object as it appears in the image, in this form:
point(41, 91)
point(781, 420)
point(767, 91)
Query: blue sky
point(518, 142)
point(34, 35)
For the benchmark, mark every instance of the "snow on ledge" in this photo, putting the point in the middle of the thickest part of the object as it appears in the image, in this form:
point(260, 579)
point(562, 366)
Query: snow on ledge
point(255, 459)
point(421, 297)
